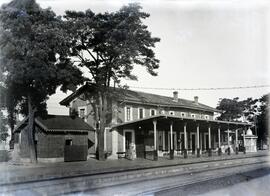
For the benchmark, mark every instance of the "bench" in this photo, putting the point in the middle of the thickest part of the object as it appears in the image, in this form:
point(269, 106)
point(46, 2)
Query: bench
point(121, 155)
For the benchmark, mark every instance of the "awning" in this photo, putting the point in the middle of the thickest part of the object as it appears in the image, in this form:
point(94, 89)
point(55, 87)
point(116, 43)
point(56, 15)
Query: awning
point(171, 118)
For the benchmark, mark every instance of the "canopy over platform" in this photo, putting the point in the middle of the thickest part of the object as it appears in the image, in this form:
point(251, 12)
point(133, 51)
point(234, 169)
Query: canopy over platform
point(164, 120)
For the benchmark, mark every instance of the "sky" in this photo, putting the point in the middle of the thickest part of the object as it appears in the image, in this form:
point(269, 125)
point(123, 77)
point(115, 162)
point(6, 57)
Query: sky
point(204, 44)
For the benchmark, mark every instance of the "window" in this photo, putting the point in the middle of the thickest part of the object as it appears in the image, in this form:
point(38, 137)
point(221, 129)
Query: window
point(128, 113)
point(140, 113)
point(82, 113)
point(152, 112)
point(192, 115)
point(68, 142)
point(171, 112)
point(183, 114)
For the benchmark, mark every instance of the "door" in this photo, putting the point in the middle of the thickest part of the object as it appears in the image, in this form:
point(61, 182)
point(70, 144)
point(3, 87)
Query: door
point(182, 141)
point(140, 147)
point(206, 141)
point(128, 136)
point(193, 142)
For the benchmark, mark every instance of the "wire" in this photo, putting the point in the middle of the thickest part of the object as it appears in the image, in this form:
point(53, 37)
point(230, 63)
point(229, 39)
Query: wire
point(201, 89)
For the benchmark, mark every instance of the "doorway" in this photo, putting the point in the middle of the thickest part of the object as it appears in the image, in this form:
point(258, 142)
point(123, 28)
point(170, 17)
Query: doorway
point(193, 141)
point(182, 141)
point(128, 137)
point(206, 141)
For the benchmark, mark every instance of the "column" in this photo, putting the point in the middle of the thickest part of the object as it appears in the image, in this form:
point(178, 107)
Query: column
point(198, 140)
point(105, 139)
point(96, 140)
point(209, 141)
point(163, 140)
point(171, 141)
point(228, 135)
point(114, 144)
point(244, 140)
point(236, 141)
point(185, 140)
point(171, 138)
point(219, 146)
point(155, 140)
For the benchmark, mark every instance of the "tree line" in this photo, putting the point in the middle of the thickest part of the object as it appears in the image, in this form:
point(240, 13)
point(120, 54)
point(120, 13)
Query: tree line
point(251, 110)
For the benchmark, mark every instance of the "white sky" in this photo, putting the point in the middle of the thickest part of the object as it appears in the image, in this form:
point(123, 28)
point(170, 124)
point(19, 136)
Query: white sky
point(204, 43)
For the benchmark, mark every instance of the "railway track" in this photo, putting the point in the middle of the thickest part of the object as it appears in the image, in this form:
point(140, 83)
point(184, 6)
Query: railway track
point(148, 178)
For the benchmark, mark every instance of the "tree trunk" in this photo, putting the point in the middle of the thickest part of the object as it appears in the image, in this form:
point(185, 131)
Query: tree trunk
point(102, 113)
point(31, 132)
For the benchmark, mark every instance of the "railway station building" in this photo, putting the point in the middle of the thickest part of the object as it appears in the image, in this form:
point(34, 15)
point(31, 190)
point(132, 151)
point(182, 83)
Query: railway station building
point(154, 126)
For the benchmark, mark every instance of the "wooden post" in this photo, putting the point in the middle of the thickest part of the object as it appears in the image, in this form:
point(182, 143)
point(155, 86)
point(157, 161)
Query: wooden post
point(171, 138)
point(171, 142)
point(163, 140)
point(244, 140)
point(185, 140)
point(198, 140)
point(228, 135)
point(236, 141)
point(155, 140)
point(209, 142)
point(219, 145)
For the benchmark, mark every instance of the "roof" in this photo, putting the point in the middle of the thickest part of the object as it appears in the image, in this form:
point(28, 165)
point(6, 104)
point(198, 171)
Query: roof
point(177, 118)
point(58, 123)
point(138, 97)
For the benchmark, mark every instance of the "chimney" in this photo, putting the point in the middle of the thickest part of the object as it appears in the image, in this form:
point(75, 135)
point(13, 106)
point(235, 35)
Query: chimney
point(196, 99)
point(175, 96)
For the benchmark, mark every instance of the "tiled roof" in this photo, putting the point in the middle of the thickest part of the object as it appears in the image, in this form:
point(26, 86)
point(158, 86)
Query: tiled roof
point(59, 123)
point(143, 98)
point(67, 123)
point(148, 98)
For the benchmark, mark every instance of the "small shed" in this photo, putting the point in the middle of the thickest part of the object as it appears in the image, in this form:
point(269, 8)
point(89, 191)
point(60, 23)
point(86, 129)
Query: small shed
point(57, 138)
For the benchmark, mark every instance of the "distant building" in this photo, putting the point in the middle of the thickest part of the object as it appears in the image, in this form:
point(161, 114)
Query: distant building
point(156, 124)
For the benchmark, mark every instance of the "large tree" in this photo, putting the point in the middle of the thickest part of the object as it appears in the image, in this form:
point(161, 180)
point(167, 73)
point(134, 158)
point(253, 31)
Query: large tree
point(33, 59)
point(109, 45)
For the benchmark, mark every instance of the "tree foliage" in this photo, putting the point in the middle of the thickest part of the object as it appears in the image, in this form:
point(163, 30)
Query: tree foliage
point(255, 111)
point(109, 45)
point(34, 57)
point(234, 109)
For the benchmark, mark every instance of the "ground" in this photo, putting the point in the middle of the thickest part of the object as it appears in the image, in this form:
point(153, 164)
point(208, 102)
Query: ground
point(49, 177)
